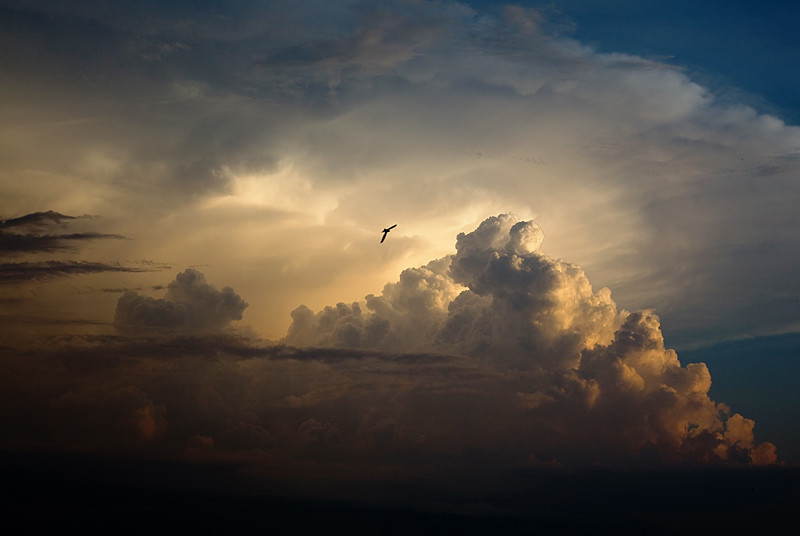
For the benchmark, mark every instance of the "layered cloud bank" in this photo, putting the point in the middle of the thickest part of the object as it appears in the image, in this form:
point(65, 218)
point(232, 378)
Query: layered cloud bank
point(493, 358)
point(270, 141)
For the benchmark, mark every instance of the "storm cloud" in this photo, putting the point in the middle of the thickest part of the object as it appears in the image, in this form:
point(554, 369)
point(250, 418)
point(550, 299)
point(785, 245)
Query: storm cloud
point(496, 356)
point(36, 233)
point(18, 272)
point(593, 380)
point(276, 134)
point(33, 233)
point(190, 304)
point(265, 144)
point(270, 142)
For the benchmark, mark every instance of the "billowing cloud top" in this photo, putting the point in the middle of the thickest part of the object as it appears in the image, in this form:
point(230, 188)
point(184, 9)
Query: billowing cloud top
point(495, 358)
point(261, 126)
point(191, 304)
point(597, 382)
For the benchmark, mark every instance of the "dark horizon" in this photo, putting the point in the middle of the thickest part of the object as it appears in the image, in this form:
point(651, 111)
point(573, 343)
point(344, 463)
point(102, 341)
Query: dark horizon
point(62, 491)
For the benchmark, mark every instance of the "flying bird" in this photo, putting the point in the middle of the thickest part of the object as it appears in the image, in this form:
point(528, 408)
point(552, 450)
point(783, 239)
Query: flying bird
point(386, 231)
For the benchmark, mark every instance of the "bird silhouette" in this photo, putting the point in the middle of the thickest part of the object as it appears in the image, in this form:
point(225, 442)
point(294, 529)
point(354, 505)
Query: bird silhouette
point(386, 231)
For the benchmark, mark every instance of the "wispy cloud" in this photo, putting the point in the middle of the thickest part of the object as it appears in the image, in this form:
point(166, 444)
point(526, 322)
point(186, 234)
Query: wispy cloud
point(33, 233)
point(35, 243)
point(36, 219)
point(17, 272)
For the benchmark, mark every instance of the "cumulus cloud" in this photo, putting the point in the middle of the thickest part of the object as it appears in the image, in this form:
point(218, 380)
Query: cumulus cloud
point(497, 292)
point(597, 382)
point(495, 357)
point(191, 304)
point(279, 121)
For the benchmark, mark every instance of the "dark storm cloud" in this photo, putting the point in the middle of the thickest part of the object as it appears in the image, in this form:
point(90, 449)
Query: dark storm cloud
point(21, 272)
point(36, 219)
point(577, 367)
point(494, 357)
point(26, 243)
point(337, 355)
point(36, 233)
point(312, 109)
point(190, 304)
point(33, 233)
point(497, 355)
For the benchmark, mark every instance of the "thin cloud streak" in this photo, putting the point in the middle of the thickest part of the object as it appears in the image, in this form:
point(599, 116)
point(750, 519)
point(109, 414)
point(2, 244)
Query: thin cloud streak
point(32, 243)
point(36, 239)
point(37, 219)
point(19, 272)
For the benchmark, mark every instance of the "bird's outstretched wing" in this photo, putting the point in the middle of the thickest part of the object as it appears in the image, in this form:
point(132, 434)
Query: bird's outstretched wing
point(386, 231)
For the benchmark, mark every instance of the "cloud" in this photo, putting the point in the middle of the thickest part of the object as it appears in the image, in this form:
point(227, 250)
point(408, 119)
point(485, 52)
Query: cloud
point(496, 292)
point(599, 381)
point(110, 420)
point(36, 241)
point(190, 304)
point(496, 357)
point(20, 272)
point(262, 126)
point(33, 234)
point(281, 138)
point(36, 219)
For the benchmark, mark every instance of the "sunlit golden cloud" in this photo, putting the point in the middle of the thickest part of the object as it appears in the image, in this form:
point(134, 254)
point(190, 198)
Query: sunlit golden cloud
point(264, 151)
point(494, 356)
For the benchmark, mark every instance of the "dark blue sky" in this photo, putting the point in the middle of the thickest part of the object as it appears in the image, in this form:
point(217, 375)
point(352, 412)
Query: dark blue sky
point(747, 51)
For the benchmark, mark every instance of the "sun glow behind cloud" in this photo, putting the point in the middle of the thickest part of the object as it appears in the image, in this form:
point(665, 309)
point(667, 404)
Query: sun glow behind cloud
point(496, 356)
point(281, 189)
point(269, 159)
point(424, 114)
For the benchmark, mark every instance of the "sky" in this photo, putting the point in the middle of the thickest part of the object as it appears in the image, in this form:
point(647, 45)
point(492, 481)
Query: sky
point(594, 262)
